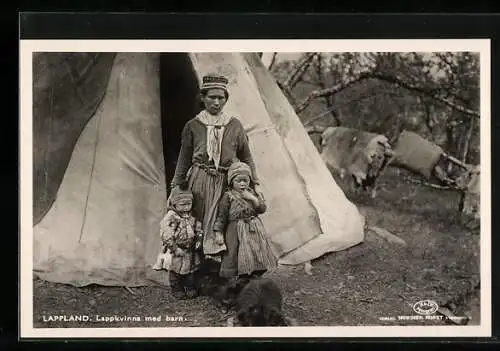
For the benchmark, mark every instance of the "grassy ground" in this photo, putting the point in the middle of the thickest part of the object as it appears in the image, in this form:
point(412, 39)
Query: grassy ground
point(353, 287)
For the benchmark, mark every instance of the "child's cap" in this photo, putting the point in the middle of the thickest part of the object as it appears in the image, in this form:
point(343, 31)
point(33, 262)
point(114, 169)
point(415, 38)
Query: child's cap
point(180, 193)
point(238, 168)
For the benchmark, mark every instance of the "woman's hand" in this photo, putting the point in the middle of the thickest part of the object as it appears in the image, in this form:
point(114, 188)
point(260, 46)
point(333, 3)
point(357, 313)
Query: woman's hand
point(219, 238)
point(171, 191)
point(259, 191)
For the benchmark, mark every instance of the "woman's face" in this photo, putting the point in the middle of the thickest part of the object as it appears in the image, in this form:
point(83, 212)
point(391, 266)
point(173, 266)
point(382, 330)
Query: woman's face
point(214, 100)
point(241, 182)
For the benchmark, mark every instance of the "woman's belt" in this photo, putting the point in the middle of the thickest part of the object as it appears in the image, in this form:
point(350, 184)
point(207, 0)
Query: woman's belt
point(211, 169)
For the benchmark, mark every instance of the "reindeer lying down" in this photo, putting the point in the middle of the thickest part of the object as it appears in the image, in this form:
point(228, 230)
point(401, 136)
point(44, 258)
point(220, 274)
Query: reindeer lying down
point(259, 304)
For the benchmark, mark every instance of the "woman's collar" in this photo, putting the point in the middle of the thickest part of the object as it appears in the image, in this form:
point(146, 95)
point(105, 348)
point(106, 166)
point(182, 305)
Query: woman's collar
point(206, 118)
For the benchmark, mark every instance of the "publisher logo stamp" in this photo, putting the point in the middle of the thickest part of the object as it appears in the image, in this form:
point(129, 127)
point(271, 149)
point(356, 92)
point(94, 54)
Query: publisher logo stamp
point(427, 310)
point(425, 307)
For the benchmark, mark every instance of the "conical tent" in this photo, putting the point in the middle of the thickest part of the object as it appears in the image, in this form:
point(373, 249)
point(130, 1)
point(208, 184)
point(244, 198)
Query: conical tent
point(100, 194)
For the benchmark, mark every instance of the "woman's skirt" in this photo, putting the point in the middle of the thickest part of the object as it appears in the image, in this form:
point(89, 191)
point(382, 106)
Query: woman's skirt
point(207, 185)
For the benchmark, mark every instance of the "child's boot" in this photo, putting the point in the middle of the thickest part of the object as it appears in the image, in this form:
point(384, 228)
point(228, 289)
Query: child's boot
point(176, 286)
point(190, 287)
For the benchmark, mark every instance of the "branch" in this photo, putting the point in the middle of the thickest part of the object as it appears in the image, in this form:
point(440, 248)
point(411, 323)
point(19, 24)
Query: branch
point(409, 86)
point(319, 116)
point(391, 79)
point(344, 103)
point(332, 90)
point(269, 59)
point(299, 70)
point(455, 160)
point(287, 93)
point(430, 185)
point(273, 61)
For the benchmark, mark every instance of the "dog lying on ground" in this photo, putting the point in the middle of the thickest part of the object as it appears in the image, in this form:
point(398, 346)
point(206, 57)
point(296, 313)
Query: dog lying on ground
point(259, 304)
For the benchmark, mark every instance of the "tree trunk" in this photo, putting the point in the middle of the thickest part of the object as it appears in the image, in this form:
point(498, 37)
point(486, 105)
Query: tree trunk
point(269, 59)
point(466, 144)
point(299, 71)
point(322, 85)
point(429, 118)
point(450, 141)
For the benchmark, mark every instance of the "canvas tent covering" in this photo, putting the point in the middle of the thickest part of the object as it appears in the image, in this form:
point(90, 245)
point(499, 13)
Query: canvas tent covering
point(99, 167)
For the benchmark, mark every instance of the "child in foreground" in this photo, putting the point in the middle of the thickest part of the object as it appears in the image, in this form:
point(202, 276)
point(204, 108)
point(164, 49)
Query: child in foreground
point(181, 235)
point(248, 251)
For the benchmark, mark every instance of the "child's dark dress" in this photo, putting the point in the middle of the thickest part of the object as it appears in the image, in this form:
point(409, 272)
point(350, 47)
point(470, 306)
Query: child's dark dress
point(248, 249)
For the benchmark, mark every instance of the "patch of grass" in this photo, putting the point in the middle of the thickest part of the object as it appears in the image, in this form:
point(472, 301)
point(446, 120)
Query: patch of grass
point(353, 287)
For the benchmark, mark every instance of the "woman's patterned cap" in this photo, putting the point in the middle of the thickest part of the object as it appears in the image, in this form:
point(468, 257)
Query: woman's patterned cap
point(214, 81)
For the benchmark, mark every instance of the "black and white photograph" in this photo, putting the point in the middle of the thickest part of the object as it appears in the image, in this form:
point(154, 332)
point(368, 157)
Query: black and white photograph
point(329, 187)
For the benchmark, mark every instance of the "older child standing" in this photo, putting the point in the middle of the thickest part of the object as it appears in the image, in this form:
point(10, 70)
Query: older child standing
point(248, 251)
point(182, 236)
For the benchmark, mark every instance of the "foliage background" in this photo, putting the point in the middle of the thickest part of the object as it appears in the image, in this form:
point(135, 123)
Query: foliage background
point(435, 94)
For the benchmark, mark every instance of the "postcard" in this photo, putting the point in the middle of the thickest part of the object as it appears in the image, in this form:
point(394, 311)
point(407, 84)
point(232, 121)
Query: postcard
point(255, 188)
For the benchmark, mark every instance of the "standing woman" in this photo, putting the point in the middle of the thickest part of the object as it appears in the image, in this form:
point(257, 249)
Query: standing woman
point(211, 142)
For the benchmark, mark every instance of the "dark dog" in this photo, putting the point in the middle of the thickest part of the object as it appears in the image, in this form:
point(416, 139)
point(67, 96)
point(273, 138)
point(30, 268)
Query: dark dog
point(224, 291)
point(259, 304)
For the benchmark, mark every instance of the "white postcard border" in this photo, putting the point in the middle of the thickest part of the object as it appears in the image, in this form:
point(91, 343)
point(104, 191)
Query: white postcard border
point(27, 47)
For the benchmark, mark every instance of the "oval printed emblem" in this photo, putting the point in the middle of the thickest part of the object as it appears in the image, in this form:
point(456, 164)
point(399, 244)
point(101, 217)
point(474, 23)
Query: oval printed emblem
point(425, 307)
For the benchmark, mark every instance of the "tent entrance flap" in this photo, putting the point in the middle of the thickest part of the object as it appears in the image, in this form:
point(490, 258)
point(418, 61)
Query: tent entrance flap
point(179, 103)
